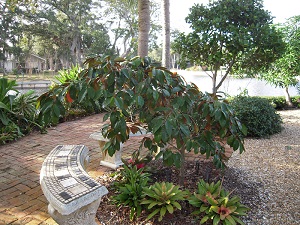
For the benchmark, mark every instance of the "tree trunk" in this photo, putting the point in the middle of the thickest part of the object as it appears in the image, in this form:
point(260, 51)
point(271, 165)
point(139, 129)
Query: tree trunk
point(288, 98)
point(75, 50)
point(3, 68)
point(182, 167)
point(166, 33)
point(214, 83)
point(144, 27)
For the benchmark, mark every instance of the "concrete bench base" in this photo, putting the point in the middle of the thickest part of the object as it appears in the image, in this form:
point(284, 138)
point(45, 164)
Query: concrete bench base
point(84, 215)
point(112, 162)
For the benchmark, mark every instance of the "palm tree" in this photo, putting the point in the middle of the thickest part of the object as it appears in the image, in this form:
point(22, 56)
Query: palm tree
point(144, 27)
point(165, 5)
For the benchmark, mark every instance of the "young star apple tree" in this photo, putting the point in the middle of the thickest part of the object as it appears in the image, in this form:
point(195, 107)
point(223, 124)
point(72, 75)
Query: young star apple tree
point(179, 116)
point(236, 34)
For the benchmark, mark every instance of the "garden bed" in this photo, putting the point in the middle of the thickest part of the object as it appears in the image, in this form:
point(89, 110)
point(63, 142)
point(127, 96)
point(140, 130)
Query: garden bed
point(266, 177)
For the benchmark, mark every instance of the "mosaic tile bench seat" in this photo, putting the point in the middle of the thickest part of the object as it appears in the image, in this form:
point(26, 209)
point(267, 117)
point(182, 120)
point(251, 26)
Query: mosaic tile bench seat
point(72, 194)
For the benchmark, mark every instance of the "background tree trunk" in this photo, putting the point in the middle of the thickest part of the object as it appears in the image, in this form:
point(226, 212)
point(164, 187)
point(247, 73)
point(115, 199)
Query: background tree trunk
point(165, 5)
point(288, 97)
point(144, 27)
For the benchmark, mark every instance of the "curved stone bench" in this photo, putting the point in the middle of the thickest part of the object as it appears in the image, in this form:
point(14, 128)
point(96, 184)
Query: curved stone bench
point(72, 194)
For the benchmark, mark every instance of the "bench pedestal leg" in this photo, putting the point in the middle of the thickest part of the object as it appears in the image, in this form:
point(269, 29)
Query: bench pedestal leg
point(112, 162)
point(84, 215)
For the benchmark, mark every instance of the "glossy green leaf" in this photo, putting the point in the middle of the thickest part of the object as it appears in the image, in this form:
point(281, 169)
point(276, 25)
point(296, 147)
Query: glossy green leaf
point(169, 127)
point(166, 93)
point(81, 95)
point(155, 96)
point(91, 92)
point(140, 101)
point(244, 130)
point(119, 102)
point(236, 144)
point(185, 130)
point(56, 110)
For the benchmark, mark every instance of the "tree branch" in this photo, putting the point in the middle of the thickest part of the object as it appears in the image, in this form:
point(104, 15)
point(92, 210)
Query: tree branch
point(227, 72)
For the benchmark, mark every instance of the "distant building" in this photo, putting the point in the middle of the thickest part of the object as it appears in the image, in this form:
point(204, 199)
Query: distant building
point(10, 63)
point(34, 63)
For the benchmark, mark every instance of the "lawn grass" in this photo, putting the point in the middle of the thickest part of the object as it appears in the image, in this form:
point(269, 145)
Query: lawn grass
point(31, 77)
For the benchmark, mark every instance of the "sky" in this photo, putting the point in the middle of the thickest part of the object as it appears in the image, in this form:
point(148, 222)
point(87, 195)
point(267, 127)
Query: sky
point(281, 9)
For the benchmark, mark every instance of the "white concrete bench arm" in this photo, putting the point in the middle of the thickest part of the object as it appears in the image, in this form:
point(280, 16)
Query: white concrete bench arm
point(72, 194)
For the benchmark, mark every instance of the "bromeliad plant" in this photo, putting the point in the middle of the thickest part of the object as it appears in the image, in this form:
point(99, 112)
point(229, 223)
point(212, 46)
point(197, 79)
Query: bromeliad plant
point(162, 198)
point(176, 113)
point(216, 204)
point(65, 76)
point(130, 189)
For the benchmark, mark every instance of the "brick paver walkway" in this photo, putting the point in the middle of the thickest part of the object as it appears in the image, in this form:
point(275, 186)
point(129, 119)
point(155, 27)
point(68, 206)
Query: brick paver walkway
point(21, 198)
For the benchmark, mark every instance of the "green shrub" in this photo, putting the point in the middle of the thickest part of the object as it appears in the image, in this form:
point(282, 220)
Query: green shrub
point(277, 102)
point(258, 115)
point(15, 71)
point(10, 132)
point(296, 101)
point(24, 108)
point(17, 111)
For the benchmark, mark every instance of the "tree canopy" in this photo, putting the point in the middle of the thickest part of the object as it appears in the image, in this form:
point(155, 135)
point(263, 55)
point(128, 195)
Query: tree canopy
point(284, 71)
point(10, 31)
point(66, 32)
point(232, 33)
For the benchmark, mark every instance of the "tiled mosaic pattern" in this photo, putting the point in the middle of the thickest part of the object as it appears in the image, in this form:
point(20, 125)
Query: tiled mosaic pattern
point(64, 175)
